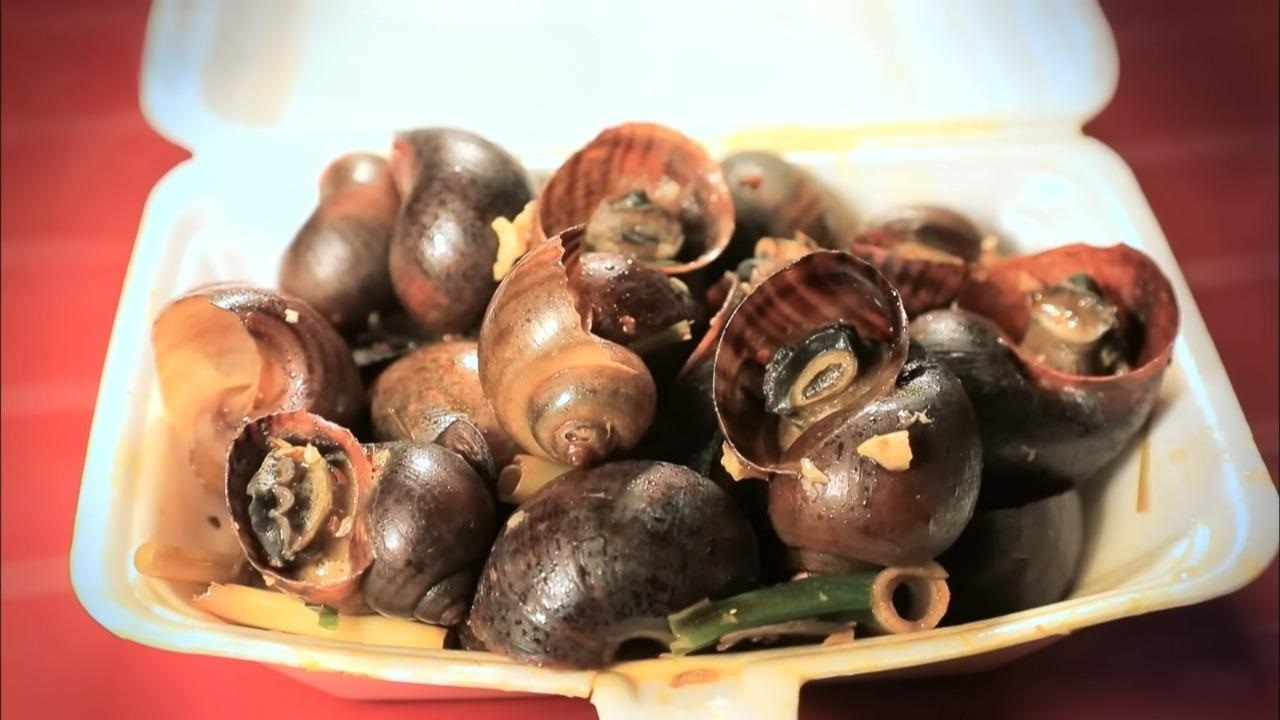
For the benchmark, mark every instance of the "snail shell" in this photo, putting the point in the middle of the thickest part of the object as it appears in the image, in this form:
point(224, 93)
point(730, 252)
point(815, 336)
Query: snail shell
point(337, 262)
point(558, 390)
point(826, 492)
point(420, 395)
point(431, 522)
point(227, 353)
point(924, 251)
point(335, 548)
point(454, 184)
point(597, 556)
point(773, 198)
point(1044, 429)
point(641, 156)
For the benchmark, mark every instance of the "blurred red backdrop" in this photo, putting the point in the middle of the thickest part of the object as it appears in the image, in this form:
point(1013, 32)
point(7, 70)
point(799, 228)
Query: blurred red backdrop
point(1195, 117)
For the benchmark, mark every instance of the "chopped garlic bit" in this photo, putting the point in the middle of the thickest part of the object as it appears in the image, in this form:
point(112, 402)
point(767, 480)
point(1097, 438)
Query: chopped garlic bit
point(908, 418)
point(290, 316)
point(735, 466)
point(516, 518)
point(513, 239)
point(891, 451)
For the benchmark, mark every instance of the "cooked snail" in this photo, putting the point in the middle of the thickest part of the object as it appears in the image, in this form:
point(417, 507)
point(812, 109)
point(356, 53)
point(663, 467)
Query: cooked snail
point(595, 558)
point(870, 444)
point(230, 352)
point(560, 391)
point(337, 262)
point(645, 191)
point(454, 184)
point(420, 395)
point(297, 488)
point(1062, 354)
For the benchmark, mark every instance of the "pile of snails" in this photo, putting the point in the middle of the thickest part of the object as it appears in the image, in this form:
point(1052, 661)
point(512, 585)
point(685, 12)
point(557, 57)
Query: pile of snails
point(660, 404)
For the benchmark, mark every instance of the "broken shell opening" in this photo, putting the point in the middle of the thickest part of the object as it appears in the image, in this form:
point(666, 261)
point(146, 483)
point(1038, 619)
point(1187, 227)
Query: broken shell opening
point(603, 183)
point(296, 486)
point(210, 373)
point(1147, 315)
point(792, 306)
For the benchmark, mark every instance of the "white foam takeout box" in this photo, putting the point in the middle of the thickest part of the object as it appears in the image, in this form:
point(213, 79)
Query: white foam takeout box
point(974, 105)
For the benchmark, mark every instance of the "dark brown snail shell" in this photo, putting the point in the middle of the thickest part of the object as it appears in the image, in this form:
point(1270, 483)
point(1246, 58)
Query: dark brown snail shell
point(1015, 558)
point(337, 262)
point(454, 184)
point(630, 302)
point(431, 522)
point(560, 391)
point(420, 395)
point(230, 352)
point(1044, 429)
point(307, 535)
point(773, 198)
point(640, 157)
point(831, 490)
point(599, 557)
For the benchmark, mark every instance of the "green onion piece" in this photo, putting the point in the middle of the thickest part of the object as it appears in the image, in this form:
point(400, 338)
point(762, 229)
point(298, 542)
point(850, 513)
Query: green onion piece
point(327, 619)
point(702, 624)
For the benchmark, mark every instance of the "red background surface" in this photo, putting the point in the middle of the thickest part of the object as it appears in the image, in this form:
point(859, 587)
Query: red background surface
point(1195, 116)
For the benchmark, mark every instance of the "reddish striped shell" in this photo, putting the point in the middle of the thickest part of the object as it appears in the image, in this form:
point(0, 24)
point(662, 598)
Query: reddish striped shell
point(1121, 403)
point(353, 552)
point(639, 156)
point(815, 291)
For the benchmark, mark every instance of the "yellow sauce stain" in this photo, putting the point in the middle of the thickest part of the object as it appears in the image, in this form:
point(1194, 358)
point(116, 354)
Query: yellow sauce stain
point(696, 676)
point(1144, 469)
point(801, 138)
point(1178, 455)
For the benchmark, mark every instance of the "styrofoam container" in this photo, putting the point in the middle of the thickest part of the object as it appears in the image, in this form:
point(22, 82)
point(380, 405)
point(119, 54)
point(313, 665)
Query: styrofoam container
point(975, 105)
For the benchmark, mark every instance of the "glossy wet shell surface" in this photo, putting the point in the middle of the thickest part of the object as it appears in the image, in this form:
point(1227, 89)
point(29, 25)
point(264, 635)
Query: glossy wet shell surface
point(423, 393)
point(338, 260)
point(543, 371)
point(851, 506)
point(598, 549)
point(454, 184)
point(431, 522)
point(1044, 430)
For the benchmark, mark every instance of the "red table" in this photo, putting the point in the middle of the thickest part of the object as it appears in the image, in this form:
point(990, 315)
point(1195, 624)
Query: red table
point(1195, 116)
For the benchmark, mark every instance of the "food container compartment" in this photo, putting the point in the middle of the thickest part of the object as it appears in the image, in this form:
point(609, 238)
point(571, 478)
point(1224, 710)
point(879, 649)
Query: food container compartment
point(1187, 514)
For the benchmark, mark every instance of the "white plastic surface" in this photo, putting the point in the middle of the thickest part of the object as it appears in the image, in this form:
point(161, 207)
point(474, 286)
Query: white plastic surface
point(544, 77)
point(1209, 527)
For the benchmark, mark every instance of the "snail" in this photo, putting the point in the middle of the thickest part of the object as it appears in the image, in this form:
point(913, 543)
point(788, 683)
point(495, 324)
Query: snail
point(431, 522)
point(1062, 354)
point(773, 198)
point(1014, 558)
point(560, 391)
point(423, 393)
point(297, 489)
point(229, 352)
point(454, 184)
point(869, 444)
point(598, 557)
point(398, 528)
point(337, 262)
point(925, 251)
point(645, 191)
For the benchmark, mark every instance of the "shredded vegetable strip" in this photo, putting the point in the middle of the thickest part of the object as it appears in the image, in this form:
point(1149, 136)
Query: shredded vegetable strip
point(169, 562)
point(271, 610)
